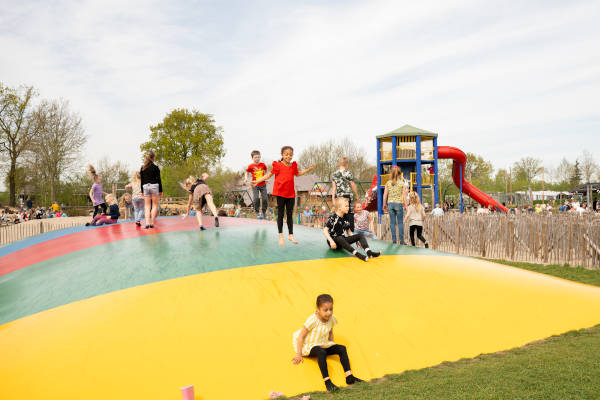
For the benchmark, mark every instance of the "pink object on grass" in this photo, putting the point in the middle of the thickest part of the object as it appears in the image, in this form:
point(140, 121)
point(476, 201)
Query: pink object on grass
point(275, 394)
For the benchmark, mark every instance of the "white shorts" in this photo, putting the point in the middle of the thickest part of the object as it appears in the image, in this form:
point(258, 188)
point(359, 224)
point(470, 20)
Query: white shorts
point(150, 189)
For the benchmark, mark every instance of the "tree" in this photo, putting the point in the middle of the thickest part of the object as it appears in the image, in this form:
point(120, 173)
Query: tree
point(527, 169)
point(502, 180)
point(588, 166)
point(478, 171)
point(113, 172)
point(575, 178)
point(325, 157)
point(564, 171)
point(186, 138)
point(17, 129)
point(59, 142)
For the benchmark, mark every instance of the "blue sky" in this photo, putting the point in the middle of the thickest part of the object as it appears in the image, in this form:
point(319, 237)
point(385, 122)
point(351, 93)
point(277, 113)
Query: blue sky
point(501, 79)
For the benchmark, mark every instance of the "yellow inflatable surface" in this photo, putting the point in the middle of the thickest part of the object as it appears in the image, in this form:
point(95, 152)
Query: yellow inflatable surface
point(229, 332)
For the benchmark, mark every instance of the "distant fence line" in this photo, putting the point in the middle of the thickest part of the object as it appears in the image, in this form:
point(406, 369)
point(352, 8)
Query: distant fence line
point(542, 239)
point(13, 233)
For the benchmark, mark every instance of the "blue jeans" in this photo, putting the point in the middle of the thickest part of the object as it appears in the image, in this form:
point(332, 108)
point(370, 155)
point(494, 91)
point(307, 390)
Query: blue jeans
point(396, 211)
point(262, 190)
point(138, 208)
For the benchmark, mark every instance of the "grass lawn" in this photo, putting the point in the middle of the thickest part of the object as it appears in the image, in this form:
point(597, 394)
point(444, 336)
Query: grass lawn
point(560, 367)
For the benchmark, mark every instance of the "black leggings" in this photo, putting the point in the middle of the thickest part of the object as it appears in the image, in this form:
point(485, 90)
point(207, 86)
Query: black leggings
point(322, 354)
point(350, 214)
point(287, 204)
point(419, 230)
point(97, 209)
point(345, 241)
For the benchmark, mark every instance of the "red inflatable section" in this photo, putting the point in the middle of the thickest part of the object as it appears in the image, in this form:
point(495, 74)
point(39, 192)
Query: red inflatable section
point(460, 160)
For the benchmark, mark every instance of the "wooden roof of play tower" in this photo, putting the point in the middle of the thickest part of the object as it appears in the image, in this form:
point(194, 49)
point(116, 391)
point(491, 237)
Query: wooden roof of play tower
point(408, 130)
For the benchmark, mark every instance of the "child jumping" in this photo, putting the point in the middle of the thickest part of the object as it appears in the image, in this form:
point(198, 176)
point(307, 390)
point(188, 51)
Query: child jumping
point(96, 193)
point(137, 197)
point(200, 194)
point(342, 185)
point(334, 230)
point(112, 216)
point(257, 169)
point(415, 216)
point(315, 339)
point(283, 189)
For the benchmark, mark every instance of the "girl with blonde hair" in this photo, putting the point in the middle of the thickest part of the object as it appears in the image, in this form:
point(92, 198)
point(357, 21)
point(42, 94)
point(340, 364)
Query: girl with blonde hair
point(112, 216)
point(415, 216)
point(136, 197)
point(200, 195)
point(394, 200)
point(151, 187)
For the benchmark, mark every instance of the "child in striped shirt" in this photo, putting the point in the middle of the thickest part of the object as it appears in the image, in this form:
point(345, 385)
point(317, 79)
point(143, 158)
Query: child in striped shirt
point(315, 339)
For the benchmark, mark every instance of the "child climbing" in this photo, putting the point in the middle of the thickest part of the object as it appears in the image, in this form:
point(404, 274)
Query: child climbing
point(342, 185)
point(415, 216)
point(96, 193)
point(136, 197)
point(257, 169)
point(315, 339)
point(200, 194)
point(283, 189)
point(112, 216)
point(337, 225)
point(151, 187)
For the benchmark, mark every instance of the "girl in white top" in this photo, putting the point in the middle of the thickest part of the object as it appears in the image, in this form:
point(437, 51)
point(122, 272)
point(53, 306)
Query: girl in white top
point(315, 339)
point(415, 216)
point(136, 197)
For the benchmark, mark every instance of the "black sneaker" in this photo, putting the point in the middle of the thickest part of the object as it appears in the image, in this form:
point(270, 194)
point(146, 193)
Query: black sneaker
point(138, 223)
point(426, 245)
point(147, 226)
point(151, 225)
point(202, 228)
point(216, 222)
point(87, 224)
point(373, 254)
point(361, 256)
point(330, 386)
point(351, 379)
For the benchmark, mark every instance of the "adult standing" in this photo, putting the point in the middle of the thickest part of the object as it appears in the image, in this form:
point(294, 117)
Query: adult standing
point(151, 187)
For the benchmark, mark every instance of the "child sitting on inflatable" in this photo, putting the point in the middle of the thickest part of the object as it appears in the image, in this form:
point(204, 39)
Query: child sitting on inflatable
point(337, 225)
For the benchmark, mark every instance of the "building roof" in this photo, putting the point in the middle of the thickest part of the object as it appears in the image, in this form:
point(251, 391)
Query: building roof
point(408, 130)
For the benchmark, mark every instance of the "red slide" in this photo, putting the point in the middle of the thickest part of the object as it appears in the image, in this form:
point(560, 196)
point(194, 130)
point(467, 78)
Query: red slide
point(370, 203)
point(460, 159)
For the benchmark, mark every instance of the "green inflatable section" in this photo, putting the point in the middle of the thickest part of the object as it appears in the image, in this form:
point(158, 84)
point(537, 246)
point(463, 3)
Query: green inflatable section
point(145, 259)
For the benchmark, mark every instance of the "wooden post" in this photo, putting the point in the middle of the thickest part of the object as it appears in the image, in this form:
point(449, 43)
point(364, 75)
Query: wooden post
point(482, 237)
point(457, 239)
point(435, 233)
point(570, 248)
point(545, 241)
point(512, 238)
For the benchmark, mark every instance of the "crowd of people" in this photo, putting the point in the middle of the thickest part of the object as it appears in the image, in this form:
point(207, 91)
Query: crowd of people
point(11, 216)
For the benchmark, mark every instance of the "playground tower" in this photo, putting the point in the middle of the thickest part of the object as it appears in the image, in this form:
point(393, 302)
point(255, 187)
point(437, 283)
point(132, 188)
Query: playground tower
point(415, 152)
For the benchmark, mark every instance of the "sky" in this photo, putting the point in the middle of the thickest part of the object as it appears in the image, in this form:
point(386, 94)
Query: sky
point(502, 79)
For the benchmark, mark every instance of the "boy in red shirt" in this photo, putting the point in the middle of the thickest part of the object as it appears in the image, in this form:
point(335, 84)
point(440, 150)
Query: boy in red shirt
point(257, 169)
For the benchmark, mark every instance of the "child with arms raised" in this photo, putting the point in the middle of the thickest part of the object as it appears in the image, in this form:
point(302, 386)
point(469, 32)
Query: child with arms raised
point(283, 189)
point(315, 339)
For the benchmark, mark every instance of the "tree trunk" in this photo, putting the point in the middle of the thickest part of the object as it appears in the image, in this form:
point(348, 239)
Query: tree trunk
point(52, 190)
point(12, 183)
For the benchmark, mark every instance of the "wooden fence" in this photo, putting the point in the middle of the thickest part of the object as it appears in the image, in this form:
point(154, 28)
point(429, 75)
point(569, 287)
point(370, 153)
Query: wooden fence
point(12, 233)
point(542, 239)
